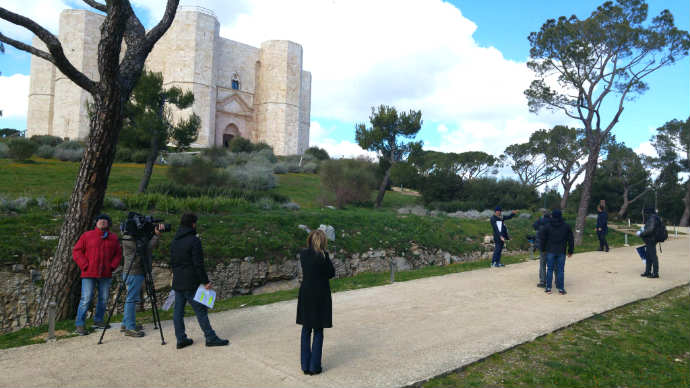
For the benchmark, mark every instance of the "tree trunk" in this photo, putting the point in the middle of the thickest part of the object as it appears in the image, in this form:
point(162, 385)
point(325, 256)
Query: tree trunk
point(586, 193)
point(382, 188)
point(85, 202)
point(566, 194)
point(626, 203)
point(150, 162)
point(685, 218)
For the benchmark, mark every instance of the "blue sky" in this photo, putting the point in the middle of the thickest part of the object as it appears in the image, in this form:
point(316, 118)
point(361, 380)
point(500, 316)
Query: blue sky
point(461, 63)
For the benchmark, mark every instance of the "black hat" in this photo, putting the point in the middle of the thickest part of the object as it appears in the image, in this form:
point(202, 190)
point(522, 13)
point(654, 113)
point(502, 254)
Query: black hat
point(498, 209)
point(556, 214)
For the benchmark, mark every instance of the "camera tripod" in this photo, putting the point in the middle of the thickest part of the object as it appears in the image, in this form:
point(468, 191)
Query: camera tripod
point(150, 292)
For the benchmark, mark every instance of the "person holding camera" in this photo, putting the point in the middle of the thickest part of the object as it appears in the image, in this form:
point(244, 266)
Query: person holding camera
point(187, 262)
point(314, 305)
point(98, 254)
point(500, 234)
point(133, 275)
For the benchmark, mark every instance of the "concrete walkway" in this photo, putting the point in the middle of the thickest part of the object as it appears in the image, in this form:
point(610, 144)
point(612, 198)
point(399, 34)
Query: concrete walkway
point(383, 336)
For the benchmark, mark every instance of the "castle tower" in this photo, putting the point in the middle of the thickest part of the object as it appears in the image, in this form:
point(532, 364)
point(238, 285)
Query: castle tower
point(304, 113)
point(278, 91)
point(187, 57)
point(79, 35)
point(39, 120)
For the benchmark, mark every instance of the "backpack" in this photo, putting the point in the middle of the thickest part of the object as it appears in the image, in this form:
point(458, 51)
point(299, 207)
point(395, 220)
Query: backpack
point(660, 233)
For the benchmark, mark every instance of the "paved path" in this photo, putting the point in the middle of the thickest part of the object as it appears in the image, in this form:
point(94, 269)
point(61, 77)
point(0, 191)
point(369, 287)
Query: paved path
point(383, 336)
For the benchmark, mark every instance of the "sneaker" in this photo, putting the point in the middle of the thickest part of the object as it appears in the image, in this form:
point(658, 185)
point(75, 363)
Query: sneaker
point(500, 265)
point(541, 285)
point(217, 342)
point(653, 276)
point(645, 274)
point(100, 326)
point(548, 291)
point(184, 343)
point(562, 292)
point(137, 327)
point(316, 372)
point(80, 330)
point(134, 333)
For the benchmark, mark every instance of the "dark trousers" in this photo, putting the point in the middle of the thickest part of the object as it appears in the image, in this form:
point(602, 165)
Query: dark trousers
point(201, 312)
point(542, 267)
point(603, 244)
point(496, 259)
point(311, 352)
point(652, 263)
point(555, 262)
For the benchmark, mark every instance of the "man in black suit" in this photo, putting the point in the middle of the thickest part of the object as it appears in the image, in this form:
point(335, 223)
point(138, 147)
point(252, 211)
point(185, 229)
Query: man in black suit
point(500, 234)
point(187, 262)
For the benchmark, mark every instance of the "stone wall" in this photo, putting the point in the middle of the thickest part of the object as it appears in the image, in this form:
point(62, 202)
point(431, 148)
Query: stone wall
point(19, 286)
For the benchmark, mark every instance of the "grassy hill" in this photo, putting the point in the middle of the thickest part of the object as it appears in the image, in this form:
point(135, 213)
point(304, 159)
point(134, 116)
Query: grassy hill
point(235, 229)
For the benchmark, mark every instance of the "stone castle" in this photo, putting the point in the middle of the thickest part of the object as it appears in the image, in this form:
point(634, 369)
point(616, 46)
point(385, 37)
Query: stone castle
point(261, 94)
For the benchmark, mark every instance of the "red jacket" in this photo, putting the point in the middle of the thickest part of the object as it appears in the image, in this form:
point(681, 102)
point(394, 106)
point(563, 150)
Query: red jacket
point(97, 257)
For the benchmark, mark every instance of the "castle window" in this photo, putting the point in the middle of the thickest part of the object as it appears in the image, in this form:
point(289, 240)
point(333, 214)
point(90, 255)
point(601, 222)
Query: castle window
point(236, 81)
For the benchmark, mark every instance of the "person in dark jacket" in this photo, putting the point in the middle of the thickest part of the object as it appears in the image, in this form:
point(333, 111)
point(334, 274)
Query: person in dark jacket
point(602, 228)
point(555, 238)
point(314, 306)
point(500, 234)
point(98, 254)
point(538, 226)
point(648, 235)
point(187, 262)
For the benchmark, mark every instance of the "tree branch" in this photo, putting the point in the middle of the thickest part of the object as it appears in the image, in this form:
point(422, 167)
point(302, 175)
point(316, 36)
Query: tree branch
point(96, 5)
point(25, 47)
point(157, 32)
point(54, 47)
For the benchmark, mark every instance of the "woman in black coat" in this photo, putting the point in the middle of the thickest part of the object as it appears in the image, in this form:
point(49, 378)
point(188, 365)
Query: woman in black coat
point(314, 306)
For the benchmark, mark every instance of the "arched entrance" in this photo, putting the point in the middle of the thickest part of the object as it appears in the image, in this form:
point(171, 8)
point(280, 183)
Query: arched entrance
point(229, 133)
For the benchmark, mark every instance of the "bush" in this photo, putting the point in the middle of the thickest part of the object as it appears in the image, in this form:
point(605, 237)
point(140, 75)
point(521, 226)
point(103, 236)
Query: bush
point(187, 191)
point(181, 158)
point(350, 181)
point(310, 167)
point(441, 185)
point(280, 168)
point(260, 146)
point(405, 174)
point(123, 154)
point(68, 155)
point(318, 153)
point(21, 148)
point(4, 150)
point(240, 144)
point(251, 176)
point(47, 140)
point(71, 145)
point(140, 156)
point(218, 156)
point(46, 151)
point(197, 172)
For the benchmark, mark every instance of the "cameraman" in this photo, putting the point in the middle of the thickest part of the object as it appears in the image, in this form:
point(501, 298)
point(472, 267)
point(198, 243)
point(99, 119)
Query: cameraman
point(187, 262)
point(133, 276)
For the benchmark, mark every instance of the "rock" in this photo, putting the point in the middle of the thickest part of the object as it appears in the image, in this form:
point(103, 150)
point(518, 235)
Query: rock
point(331, 207)
point(17, 267)
point(276, 286)
point(403, 210)
point(419, 211)
point(290, 206)
point(49, 237)
point(488, 239)
point(304, 228)
point(329, 230)
point(401, 264)
point(437, 213)
point(36, 276)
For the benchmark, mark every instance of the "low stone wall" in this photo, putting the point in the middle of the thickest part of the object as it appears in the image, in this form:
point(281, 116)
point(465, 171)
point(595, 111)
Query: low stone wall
point(20, 287)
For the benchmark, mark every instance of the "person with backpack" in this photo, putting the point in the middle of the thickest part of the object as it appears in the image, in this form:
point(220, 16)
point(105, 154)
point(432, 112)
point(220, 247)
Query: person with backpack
point(653, 232)
point(538, 225)
point(555, 239)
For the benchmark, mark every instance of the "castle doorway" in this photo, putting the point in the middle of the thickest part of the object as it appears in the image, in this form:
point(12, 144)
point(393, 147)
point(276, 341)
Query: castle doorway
point(229, 133)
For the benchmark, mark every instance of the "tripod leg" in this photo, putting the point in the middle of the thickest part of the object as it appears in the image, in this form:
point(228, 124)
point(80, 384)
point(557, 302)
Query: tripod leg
point(112, 309)
point(151, 291)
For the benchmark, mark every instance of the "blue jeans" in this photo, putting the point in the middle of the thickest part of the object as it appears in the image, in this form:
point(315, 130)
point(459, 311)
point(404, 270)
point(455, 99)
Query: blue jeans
point(133, 283)
point(87, 287)
point(311, 353)
point(496, 259)
point(556, 260)
point(201, 312)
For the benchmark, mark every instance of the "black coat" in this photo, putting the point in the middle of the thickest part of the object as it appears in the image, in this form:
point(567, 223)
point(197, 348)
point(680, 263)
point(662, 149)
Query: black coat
point(555, 237)
point(602, 221)
point(187, 260)
point(648, 234)
point(504, 230)
point(314, 306)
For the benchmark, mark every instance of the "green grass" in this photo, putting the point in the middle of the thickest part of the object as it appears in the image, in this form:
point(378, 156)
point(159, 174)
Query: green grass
point(28, 336)
point(643, 344)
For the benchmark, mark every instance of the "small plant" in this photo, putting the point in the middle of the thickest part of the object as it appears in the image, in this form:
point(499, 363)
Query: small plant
point(20, 148)
point(48, 140)
point(4, 150)
point(318, 153)
point(199, 172)
point(45, 151)
point(350, 181)
point(123, 154)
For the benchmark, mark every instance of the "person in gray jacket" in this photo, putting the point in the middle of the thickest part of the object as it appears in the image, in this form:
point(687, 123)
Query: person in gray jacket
point(648, 235)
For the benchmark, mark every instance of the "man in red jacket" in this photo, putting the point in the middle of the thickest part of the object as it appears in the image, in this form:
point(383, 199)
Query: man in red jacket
point(97, 253)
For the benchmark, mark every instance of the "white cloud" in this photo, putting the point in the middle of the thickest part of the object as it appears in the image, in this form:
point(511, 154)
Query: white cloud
point(646, 148)
point(14, 95)
point(319, 137)
point(44, 12)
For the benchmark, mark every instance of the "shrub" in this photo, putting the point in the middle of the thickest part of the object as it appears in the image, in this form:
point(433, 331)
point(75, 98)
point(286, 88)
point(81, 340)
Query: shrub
point(21, 148)
point(240, 144)
point(186, 191)
point(46, 151)
point(350, 181)
point(181, 158)
point(260, 146)
point(251, 176)
point(310, 167)
point(140, 156)
point(198, 171)
point(405, 174)
point(265, 203)
point(218, 156)
point(280, 168)
point(263, 156)
point(441, 185)
point(318, 153)
point(68, 155)
point(123, 154)
point(48, 140)
point(71, 145)
point(4, 150)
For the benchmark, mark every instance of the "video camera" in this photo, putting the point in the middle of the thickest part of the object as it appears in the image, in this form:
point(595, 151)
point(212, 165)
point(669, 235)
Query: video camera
point(138, 225)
